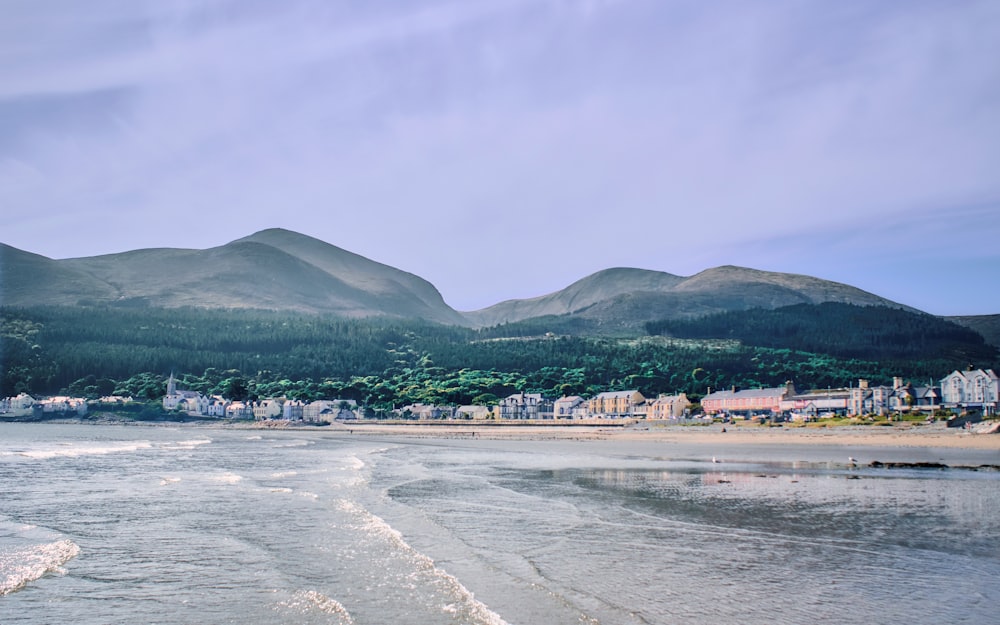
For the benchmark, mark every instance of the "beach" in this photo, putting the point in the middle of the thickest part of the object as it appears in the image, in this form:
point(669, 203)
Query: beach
point(356, 523)
point(901, 435)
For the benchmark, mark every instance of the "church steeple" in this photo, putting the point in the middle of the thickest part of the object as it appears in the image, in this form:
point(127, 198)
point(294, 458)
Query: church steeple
point(171, 384)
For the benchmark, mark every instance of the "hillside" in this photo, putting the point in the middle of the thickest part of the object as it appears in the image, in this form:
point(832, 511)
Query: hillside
point(988, 326)
point(886, 335)
point(280, 270)
point(273, 269)
point(599, 287)
point(624, 299)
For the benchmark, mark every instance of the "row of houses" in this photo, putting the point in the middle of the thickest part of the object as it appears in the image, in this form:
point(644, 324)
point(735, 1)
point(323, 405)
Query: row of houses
point(975, 389)
point(24, 405)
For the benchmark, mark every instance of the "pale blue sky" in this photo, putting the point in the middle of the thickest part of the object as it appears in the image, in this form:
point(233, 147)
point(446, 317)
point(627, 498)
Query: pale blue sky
point(503, 149)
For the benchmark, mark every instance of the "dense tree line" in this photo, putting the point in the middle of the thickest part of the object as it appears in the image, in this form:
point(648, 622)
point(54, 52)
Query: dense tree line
point(380, 362)
point(842, 330)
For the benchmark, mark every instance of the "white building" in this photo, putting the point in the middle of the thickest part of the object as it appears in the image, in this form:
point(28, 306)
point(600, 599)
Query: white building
point(293, 410)
point(971, 389)
point(60, 404)
point(267, 409)
point(521, 406)
point(566, 407)
point(329, 410)
point(17, 406)
point(191, 402)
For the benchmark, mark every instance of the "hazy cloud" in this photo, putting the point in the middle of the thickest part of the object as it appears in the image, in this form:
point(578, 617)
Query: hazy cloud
point(503, 149)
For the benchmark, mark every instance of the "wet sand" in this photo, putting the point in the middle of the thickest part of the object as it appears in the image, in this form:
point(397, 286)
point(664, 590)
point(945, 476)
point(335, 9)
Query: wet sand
point(902, 435)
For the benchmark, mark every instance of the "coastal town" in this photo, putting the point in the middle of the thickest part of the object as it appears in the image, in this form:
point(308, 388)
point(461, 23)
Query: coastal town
point(974, 391)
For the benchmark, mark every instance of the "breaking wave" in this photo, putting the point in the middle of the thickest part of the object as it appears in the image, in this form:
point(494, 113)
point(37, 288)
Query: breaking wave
point(465, 604)
point(73, 451)
point(20, 567)
point(306, 600)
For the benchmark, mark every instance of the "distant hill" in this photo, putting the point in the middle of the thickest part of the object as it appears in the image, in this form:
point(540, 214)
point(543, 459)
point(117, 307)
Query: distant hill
point(626, 298)
point(282, 270)
point(986, 325)
point(273, 269)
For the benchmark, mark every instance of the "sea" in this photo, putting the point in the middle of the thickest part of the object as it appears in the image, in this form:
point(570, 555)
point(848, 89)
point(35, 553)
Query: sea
point(187, 525)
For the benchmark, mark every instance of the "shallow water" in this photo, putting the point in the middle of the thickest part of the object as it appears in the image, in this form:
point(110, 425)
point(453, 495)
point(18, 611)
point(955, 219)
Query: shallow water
point(102, 524)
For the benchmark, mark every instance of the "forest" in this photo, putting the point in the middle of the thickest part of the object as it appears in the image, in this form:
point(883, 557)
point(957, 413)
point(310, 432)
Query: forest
point(842, 330)
point(384, 362)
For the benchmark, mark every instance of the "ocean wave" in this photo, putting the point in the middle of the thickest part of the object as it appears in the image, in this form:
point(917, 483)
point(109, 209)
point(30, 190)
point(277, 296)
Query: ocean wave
point(169, 480)
point(192, 443)
point(72, 451)
point(284, 474)
point(294, 443)
point(23, 566)
point(227, 478)
point(306, 600)
point(466, 603)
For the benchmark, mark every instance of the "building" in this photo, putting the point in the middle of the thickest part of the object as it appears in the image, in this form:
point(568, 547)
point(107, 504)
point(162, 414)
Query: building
point(865, 399)
point(329, 410)
point(473, 412)
point(17, 406)
point(191, 402)
point(566, 407)
point(239, 410)
point(616, 404)
point(748, 402)
point(977, 389)
point(267, 409)
point(217, 406)
point(907, 397)
point(293, 410)
point(900, 397)
point(667, 407)
point(521, 406)
point(63, 405)
point(816, 403)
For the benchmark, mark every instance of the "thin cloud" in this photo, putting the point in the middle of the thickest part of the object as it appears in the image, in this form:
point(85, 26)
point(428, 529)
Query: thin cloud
point(537, 141)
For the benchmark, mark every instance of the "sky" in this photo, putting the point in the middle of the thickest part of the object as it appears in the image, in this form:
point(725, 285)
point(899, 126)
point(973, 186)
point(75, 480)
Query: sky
point(505, 148)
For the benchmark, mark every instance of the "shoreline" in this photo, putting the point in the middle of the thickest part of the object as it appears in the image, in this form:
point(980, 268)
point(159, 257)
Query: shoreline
point(904, 435)
point(869, 436)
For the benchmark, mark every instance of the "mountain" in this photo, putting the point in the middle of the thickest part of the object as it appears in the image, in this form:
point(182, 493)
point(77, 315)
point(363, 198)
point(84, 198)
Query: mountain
point(282, 270)
point(627, 298)
point(599, 287)
point(273, 269)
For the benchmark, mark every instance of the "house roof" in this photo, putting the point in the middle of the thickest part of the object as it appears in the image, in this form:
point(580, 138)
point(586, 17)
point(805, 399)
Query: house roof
point(615, 394)
point(747, 394)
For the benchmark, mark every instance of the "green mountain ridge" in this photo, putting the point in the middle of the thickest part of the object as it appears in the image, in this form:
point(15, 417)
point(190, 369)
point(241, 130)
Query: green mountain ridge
point(281, 270)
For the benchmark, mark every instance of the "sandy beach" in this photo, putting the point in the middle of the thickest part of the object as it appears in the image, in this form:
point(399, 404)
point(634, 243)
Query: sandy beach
point(904, 435)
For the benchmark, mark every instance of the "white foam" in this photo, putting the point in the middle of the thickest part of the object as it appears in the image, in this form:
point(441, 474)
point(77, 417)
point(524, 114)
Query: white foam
point(281, 489)
point(169, 480)
point(227, 478)
point(306, 600)
point(68, 450)
point(23, 566)
point(295, 443)
point(284, 474)
point(191, 444)
point(377, 526)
